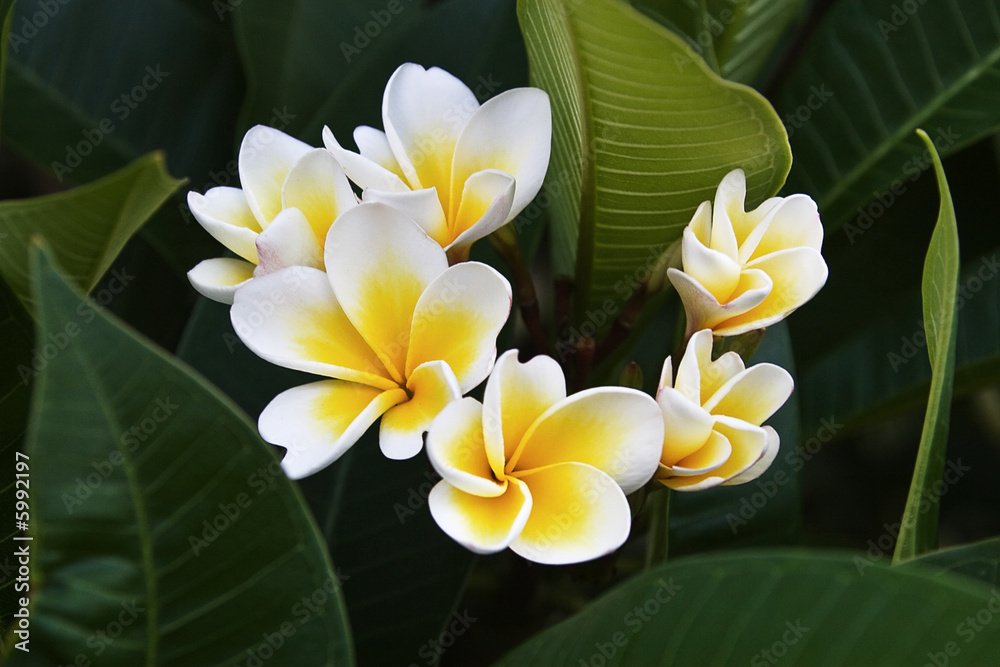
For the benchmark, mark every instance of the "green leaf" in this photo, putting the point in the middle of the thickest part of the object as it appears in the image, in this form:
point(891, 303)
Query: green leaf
point(7, 12)
point(872, 74)
point(86, 227)
point(159, 515)
point(402, 575)
point(643, 131)
point(734, 38)
point(979, 561)
point(918, 533)
point(798, 607)
point(134, 89)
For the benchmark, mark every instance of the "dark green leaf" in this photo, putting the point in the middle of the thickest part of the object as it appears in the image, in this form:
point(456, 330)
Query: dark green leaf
point(979, 561)
point(759, 608)
point(164, 532)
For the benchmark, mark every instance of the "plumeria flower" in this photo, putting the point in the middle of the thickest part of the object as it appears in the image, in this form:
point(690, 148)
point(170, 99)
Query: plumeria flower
point(713, 414)
point(291, 195)
point(540, 472)
point(747, 270)
point(459, 169)
point(399, 333)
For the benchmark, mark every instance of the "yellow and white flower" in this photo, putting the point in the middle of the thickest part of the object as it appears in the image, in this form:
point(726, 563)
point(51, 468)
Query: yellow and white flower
point(459, 169)
point(713, 414)
point(399, 333)
point(540, 472)
point(747, 270)
point(291, 195)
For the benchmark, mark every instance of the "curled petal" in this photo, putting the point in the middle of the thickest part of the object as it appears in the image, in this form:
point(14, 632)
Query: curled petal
point(266, 157)
point(457, 451)
point(379, 263)
point(318, 422)
point(374, 145)
point(717, 373)
point(422, 206)
point(578, 513)
point(793, 223)
point(288, 241)
point(688, 426)
point(753, 395)
point(763, 463)
point(516, 395)
point(714, 453)
point(716, 271)
point(511, 132)
point(432, 386)
point(224, 214)
point(613, 429)
point(697, 356)
point(486, 202)
point(457, 319)
point(424, 112)
point(317, 186)
point(218, 278)
point(797, 274)
point(481, 524)
point(291, 318)
point(748, 444)
point(729, 200)
point(704, 311)
point(362, 170)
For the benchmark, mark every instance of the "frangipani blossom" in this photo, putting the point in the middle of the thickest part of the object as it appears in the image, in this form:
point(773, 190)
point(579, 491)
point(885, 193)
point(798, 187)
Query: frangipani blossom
point(399, 333)
point(713, 414)
point(747, 270)
point(540, 472)
point(459, 169)
point(291, 195)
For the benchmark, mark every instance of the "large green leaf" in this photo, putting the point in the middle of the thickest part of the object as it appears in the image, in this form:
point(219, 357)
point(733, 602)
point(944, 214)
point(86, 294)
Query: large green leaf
point(940, 291)
point(643, 131)
point(979, 561)
point(874, 72)
point(402, 576)
point(164, 532)
point(86, 227)
point(799, 608)
point(734, 38)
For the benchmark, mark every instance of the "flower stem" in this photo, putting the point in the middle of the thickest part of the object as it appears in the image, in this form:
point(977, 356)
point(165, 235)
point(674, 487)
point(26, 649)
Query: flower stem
point(504, 240)
point(658, 537)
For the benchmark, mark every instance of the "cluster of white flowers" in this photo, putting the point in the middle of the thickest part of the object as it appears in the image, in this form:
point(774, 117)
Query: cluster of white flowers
point(376, 296)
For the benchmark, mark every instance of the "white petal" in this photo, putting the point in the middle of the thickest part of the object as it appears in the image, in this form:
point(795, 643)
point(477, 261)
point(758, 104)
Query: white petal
point(697, 355)
point(716, 271)
point(704, 311)
point(422, 206)
point(753, 395)
point(224, 214)
point(379, 263)
point(457, 319)
point(481, 524)
point(512, 133)
point(730, 198)
point(457, 451)
point(793, 223)
point(291, 318)
point(485, 207)
point(318, 422)
point(266, 157)
point(317, 186)
point(432, 386)
point(218, 278)
point(424, 111)
point(374, 145)
point(288, 241)
point(714, 453)
point(687, 426)
point(763, 463)
point(614, 429)
point(578, 513)
point(361, 170)
point(516, 395)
